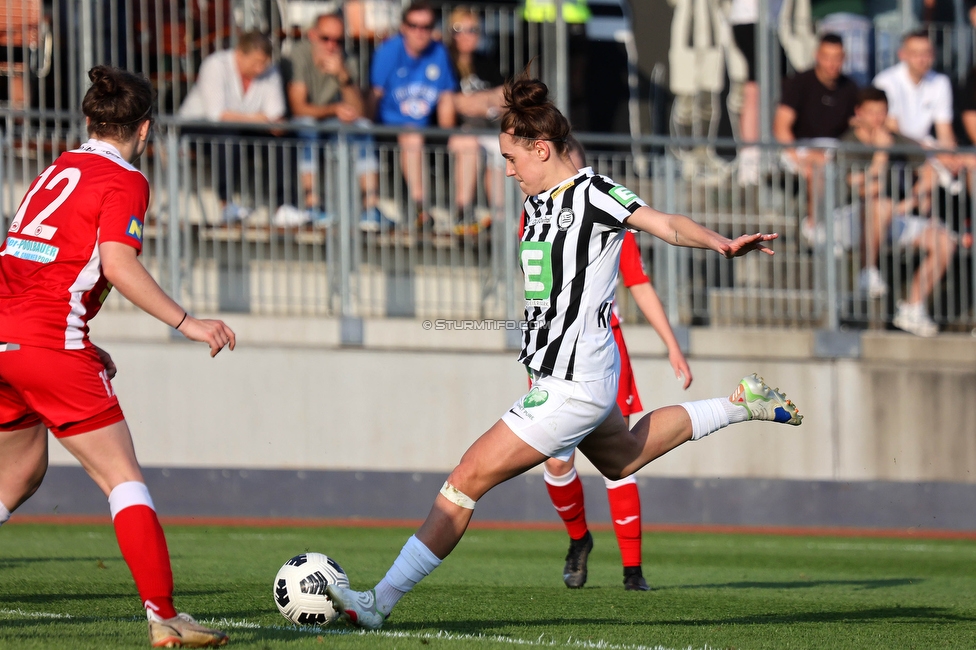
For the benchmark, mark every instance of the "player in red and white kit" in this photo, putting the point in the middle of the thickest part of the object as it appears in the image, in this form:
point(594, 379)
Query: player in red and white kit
point(78, 233)
point(563, 484)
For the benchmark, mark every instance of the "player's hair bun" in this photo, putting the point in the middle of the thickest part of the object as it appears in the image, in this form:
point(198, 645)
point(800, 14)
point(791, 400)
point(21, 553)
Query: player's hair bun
point(116, 102)
point(525, 94)
point(104, 82)
point(531, 114)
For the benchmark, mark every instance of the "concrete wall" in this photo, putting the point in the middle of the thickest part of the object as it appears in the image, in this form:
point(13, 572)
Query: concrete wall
point(412, 400)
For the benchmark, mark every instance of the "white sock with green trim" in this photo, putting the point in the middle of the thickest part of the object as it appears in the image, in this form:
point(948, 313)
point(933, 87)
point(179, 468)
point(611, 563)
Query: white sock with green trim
point(4, 514)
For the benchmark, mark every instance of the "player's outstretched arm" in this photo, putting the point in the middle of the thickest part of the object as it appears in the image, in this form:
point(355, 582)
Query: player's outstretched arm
point(123, 269)
point(679, 230)
point(650, 305)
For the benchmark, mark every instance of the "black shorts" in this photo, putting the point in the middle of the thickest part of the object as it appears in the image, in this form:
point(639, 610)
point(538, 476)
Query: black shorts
point(745, 39)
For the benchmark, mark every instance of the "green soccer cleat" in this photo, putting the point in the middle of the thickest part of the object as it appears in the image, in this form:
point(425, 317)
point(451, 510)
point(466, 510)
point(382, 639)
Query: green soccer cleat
point(763, 402)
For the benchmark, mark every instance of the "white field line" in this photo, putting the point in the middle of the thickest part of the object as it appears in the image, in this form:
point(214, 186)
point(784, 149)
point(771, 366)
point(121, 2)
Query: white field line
point(20, 612)
point(441, 635)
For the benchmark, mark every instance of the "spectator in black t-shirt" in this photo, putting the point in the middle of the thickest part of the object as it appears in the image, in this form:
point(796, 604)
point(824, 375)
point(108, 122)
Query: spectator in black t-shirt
point(478, 105)
point(817, 104)
point(968, 106)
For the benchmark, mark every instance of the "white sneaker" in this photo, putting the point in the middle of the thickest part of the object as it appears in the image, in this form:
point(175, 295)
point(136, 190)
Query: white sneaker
point(288, 215)
point(233, 212)
point(872, 283)
point(912, 318)
point(357, 607)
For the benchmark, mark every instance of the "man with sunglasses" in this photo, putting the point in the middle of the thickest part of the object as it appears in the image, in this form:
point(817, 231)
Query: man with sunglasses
point(413, 82)
point(324, 89)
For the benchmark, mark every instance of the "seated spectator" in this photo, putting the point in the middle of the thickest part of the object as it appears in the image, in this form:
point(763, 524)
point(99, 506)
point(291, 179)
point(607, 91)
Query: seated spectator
point(236, 86)
point(816, 107)
point(891, 204)
point(324, 88)
point(478, 105)
point(412, 84)
point(920, 103)
point(816, 104)
point(919, 99)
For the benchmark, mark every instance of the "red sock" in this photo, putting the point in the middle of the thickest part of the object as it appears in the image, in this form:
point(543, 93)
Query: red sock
point(143, 546)
point(568, 501)
point(625, 510)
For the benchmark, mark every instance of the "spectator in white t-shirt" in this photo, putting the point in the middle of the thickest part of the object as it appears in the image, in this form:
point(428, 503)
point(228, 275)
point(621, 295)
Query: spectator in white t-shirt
point(919, 99)
point(236, 86)
point(920, 104)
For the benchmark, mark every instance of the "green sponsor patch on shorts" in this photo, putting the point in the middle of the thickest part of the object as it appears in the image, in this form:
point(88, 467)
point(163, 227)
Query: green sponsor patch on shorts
point(535, 397)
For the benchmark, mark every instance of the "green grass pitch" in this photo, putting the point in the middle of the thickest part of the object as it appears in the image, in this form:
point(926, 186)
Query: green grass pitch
point(67, 587)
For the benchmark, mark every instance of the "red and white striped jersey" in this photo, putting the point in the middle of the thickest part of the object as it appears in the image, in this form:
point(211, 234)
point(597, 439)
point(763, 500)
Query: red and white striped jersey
point(51, 281)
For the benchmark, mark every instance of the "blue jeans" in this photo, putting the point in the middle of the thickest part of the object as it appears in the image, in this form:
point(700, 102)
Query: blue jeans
point(362, 144)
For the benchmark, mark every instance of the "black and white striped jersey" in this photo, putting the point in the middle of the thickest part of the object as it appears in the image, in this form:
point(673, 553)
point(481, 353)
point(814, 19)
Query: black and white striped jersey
point(570, 253)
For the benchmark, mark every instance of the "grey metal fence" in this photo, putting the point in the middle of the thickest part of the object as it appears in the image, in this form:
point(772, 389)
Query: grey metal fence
point(301, 238)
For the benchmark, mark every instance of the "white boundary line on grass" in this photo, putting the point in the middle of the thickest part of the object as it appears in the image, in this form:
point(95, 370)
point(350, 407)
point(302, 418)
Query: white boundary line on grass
point(442, 635)
point(20, 612)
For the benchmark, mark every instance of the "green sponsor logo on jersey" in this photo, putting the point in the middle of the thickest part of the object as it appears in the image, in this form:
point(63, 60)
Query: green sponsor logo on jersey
point(624, 196)
point(536, 259)
point(535, 397)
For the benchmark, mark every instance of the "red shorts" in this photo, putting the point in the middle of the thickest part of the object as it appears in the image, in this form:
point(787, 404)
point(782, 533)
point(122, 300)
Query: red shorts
point(627, 398)
point(68, 390)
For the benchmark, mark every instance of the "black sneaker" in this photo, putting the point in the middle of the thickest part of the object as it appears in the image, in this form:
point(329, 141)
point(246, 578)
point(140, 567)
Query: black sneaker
point(574, 573)
point(634, 579)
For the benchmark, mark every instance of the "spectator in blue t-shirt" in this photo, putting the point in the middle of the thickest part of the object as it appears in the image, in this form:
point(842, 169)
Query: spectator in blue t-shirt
point(413, 82)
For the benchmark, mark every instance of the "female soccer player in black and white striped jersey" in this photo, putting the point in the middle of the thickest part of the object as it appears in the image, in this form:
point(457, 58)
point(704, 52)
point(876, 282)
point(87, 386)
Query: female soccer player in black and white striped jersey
point(569, 253)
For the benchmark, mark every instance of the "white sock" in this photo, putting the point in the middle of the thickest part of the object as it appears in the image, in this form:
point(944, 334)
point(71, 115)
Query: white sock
point(4, 514)
point(710, 415)
point(130, 493)
point(414, 563)
point(615, 484)
point(559, 481)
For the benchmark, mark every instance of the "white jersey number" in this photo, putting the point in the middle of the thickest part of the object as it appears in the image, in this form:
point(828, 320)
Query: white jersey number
point(36, 227)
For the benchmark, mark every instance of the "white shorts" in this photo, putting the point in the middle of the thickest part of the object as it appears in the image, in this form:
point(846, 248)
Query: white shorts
point(906, 230)
point(556, 414)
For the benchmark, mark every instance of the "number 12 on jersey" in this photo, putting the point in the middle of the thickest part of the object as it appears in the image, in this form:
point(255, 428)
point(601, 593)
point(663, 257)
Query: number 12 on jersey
point(37, 227)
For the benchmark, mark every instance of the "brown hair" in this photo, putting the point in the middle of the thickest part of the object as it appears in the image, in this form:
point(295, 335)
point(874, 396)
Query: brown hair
point(871, 94)
point(250, 41)
point(574, 146)
point(116, 102)
point(531, 115)
point(460, 13)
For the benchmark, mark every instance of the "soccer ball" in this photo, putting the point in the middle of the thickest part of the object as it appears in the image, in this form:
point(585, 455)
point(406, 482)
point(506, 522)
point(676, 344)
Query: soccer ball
point(299, 588)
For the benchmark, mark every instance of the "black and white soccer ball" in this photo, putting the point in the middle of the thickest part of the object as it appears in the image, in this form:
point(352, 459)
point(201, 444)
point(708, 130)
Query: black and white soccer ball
point(299, 588)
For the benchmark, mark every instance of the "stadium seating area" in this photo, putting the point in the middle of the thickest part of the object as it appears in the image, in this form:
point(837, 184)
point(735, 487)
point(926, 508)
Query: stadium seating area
point(337, 268)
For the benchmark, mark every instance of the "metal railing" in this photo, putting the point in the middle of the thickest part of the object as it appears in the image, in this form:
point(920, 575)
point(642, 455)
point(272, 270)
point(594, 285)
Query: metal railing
point(46, 48)
point(327, 253)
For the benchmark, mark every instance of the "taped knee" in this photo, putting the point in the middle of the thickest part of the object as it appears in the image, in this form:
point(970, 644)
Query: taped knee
point(456, 496)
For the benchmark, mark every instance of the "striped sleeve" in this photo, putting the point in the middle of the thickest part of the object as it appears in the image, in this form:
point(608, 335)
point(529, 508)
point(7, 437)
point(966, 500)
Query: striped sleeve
point(615, 200)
